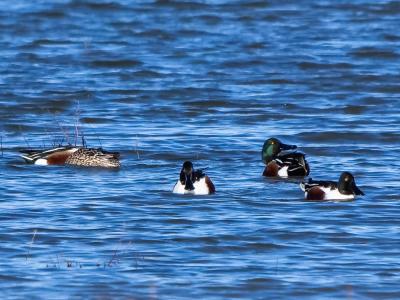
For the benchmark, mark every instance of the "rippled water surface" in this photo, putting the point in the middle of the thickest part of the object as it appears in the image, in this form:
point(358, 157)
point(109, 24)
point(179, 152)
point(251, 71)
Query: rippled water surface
point(166, 81)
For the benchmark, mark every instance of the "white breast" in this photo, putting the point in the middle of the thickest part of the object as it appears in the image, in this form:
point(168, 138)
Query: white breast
point(200, 188)
point(334, 194)
point(283, 172)
point(179, 188)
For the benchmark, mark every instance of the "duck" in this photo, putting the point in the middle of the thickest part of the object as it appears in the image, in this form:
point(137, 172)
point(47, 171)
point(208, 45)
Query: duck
point(344, 189)
point(283, 160)
point(72, 155)
point(194, 182)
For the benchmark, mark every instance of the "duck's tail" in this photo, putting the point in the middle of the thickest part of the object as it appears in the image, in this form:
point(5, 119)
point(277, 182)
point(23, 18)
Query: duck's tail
point(31, 155)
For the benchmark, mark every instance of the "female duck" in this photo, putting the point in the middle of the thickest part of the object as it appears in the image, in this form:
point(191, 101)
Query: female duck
point(345, 189)
point(193, 182)
point(282, 163)
point(70, 155)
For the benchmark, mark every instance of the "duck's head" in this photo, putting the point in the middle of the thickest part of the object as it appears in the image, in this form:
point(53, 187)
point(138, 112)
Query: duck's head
point(186, 176)
point(272, 147)
point(347, 184)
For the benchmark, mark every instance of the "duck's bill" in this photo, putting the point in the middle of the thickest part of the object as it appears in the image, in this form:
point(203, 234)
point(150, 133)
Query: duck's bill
point(288, 147)
point(358, 191)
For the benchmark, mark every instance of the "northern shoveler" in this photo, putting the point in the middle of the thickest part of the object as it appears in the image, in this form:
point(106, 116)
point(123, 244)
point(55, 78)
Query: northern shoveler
point(71, 155)
point(283, 163)
point(193, 182)
point(345, 189)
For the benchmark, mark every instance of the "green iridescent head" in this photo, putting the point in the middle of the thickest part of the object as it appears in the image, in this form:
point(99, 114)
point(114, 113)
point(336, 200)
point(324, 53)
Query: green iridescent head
point(271, 149)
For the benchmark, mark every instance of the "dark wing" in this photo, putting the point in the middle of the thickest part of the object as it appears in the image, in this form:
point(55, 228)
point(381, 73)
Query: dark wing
point(210, 184)
point(198, 174)
point(296, 162)
point(311, 183)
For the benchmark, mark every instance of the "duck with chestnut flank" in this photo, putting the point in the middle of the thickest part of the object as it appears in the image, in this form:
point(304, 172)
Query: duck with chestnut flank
point(194, 182)
point(72, 155)
point(283, 160)
point(344, 189)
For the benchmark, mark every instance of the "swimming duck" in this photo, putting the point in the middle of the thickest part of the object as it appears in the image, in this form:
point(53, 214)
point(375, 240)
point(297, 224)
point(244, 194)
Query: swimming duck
point(280, 163)
point(345, 189)
point(193, 182)
point(71, 155)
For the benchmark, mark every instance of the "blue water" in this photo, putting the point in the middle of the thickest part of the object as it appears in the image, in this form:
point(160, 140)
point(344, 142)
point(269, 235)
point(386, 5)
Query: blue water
point(166, 81)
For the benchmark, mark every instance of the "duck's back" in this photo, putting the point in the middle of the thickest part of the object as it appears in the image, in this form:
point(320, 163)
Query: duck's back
point(87, 157)
point(296, 163)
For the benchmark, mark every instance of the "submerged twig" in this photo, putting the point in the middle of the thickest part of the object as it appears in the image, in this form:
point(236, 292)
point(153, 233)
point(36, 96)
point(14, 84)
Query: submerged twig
point(58, 261)
point(31, 243)
point(137, 147)
point(114, 260)
point(97, 136)
point(78, 128)
point(64, 131)
point(99, 140)
point(83, 141)
point(26, 141)
point(52, 135)
point(77, 118)
point(1, 145)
